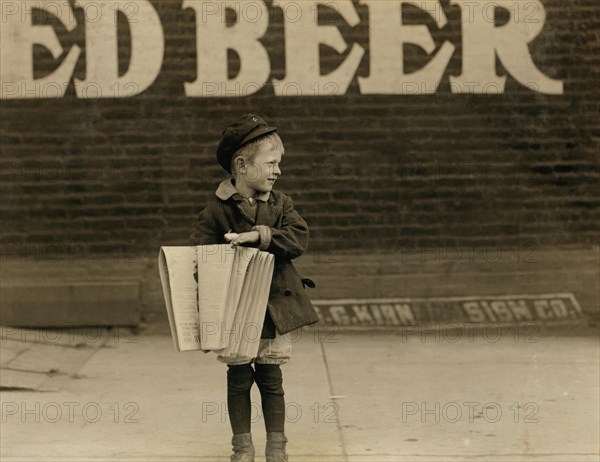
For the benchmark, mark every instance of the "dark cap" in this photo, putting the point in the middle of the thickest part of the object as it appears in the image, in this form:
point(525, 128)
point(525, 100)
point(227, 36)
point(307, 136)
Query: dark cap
point(241, 132)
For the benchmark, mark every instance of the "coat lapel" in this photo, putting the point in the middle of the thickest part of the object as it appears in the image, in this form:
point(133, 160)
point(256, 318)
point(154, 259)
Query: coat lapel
point(268, 213)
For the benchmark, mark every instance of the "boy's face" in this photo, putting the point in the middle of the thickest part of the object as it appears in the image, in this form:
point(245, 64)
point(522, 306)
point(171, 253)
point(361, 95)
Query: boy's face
point(263, 170)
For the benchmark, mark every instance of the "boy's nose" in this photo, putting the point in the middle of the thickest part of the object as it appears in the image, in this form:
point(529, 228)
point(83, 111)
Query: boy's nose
point(277, 170)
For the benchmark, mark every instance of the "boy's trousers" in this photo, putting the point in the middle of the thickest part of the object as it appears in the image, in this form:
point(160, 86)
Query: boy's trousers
point(270, 351)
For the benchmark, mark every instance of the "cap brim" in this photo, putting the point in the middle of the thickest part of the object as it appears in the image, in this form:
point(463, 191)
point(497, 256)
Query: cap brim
point(260, 131)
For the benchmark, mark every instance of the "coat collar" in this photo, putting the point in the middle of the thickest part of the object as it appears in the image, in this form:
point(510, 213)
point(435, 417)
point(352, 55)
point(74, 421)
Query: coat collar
point(227, 189)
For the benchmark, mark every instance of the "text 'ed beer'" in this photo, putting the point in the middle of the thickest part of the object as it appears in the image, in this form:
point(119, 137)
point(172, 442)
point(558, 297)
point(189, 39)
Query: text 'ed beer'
point(482, 41)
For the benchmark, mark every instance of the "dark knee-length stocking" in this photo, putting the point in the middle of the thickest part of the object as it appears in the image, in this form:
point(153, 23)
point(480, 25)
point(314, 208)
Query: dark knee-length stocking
point(239, 382)
point(269, 379)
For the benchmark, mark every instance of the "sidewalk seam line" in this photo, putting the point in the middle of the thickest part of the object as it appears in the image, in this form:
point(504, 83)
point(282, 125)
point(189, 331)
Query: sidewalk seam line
point(331, 392)
point(80, 366)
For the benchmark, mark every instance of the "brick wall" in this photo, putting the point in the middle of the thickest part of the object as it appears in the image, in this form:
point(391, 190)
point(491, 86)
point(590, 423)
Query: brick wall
point(368, 172)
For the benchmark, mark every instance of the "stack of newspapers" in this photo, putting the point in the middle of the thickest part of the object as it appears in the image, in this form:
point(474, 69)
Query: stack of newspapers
point(216, 296)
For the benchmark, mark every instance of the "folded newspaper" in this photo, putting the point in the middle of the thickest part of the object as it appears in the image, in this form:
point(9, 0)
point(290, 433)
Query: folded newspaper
point(216, 296)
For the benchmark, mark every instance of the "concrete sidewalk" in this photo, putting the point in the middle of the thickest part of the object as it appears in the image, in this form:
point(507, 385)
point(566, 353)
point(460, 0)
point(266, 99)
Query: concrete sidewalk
point(517, 395)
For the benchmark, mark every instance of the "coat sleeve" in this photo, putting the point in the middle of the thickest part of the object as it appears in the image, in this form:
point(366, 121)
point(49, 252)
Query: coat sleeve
point(290, 240)
point(205, 232)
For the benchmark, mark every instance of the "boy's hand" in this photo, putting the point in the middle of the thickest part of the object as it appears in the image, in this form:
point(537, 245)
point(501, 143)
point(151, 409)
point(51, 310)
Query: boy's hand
point(242, 238)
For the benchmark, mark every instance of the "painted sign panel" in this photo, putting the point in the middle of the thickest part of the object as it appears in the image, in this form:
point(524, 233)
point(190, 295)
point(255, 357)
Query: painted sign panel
point(239, 27)
point(500, 309)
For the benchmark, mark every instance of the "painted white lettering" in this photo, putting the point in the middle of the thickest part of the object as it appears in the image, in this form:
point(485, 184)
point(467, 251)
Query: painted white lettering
point(303, 35)
point(339, 316)
point(404, 313)
point(474, 312)
point(229, 26)
point(520, 310)
point(559, 308)
point(542, 309)
point(362, 314)
point(18, 36)
point(214, 38)
point(501, 311)
point(102, 61)
point(388, 313)
point(387, 40)
point(376, 315)
point(488, 311)
point(483, 40)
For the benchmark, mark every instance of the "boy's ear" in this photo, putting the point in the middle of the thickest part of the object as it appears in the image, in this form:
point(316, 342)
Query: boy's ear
point(240, 163)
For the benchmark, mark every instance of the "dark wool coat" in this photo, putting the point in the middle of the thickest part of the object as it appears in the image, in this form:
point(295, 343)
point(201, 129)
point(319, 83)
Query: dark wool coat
point(289, 306)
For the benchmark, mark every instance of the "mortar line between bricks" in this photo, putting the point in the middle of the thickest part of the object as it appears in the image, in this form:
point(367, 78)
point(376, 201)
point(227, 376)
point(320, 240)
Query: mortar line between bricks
point(331, 393)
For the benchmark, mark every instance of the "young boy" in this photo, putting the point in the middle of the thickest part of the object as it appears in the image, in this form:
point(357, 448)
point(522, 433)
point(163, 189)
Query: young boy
point(247, 211)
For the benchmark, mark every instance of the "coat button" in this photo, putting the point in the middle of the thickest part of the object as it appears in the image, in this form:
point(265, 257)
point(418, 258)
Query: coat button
point(287, 292)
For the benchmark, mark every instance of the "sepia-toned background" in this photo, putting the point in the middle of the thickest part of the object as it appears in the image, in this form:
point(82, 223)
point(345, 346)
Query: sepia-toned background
point(455, 155)
point(444, 154)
